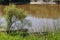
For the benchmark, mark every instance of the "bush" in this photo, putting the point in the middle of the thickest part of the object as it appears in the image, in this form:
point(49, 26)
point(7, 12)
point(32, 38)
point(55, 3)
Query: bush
point(11, 11)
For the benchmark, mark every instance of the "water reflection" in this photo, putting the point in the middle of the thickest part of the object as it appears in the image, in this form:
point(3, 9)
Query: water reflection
point(3, 22)
point(38, 24)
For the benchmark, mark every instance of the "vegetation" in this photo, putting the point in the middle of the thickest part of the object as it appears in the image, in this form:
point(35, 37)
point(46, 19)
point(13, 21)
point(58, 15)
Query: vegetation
point(50, 36)
point(20, 14)
point(4, 1)
point(11, 11)
point(1, 0)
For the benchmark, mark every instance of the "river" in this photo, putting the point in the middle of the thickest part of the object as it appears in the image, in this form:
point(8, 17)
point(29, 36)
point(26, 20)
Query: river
point(42, 17)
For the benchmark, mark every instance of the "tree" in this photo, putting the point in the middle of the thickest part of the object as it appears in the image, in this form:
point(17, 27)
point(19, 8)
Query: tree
point(11, 11)
point(4, 1)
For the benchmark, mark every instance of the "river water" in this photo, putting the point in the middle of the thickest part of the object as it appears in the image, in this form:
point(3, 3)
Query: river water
point(37, 24)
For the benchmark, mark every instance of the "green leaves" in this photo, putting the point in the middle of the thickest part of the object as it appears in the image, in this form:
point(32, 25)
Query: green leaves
point(18, 12)
point(11, 11)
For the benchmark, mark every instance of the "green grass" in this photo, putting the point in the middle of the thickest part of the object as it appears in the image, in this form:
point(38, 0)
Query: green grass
point(4, 36)
point(50, 36)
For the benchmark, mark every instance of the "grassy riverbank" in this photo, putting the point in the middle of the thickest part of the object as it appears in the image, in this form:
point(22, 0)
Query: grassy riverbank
point(49, 36)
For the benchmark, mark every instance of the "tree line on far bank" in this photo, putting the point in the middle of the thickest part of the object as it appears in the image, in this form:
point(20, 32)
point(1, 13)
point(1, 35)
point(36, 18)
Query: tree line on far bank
point(14, 1)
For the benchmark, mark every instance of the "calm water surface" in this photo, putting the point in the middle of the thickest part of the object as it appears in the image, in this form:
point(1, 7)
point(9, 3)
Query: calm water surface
point(38, 24)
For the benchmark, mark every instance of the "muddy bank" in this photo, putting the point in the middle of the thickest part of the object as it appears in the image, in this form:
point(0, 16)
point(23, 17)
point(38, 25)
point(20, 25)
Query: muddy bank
point(42, 11)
